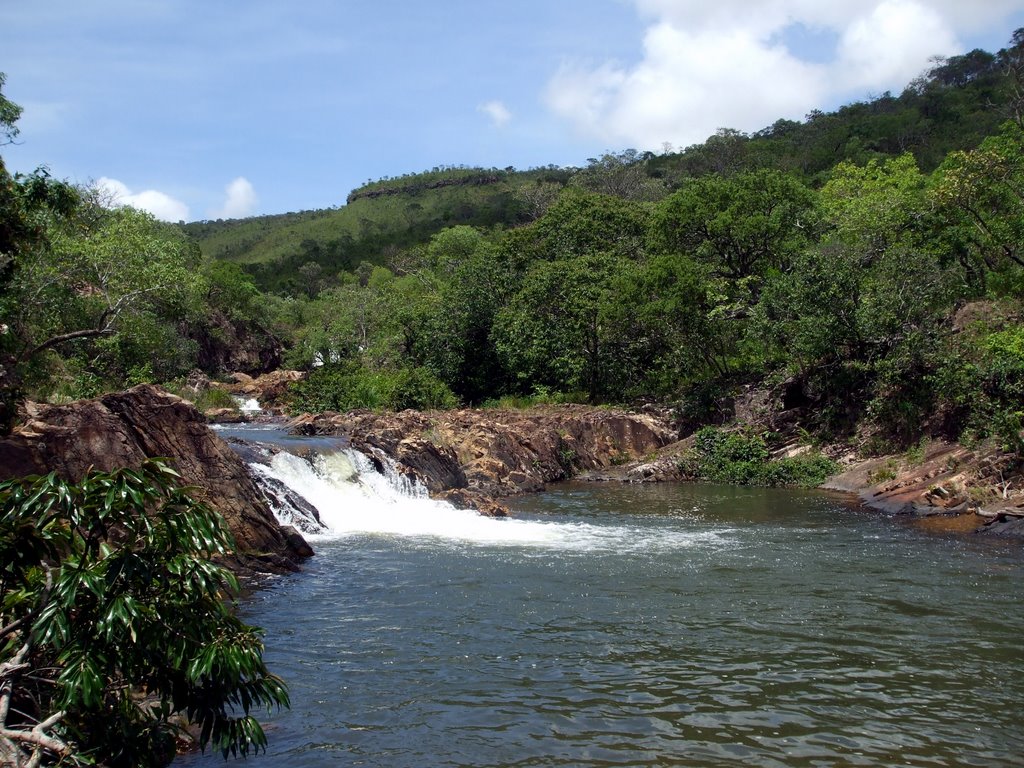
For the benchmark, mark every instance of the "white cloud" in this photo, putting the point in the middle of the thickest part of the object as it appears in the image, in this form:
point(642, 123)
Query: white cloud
point(891, 45)
point(239, 200)
point(497, 111)
point(162, 206)
point(711, 65)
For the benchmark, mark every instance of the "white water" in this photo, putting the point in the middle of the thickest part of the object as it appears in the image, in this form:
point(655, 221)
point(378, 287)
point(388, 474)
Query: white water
point(248, 405)
point(353, 498)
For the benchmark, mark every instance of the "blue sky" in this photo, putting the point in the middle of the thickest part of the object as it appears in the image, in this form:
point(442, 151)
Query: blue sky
point(227, 108)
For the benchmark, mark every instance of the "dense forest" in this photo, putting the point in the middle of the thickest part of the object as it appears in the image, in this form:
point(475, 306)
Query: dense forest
point(866, 264)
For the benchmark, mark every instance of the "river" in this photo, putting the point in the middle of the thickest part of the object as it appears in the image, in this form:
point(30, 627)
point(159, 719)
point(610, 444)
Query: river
point(668, 625)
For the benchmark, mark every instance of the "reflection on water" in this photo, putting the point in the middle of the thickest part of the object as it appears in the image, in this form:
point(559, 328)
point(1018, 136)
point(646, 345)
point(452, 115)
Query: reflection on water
point(648, 626)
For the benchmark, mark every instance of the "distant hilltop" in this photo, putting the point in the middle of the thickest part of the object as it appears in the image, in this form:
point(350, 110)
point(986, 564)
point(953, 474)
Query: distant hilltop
point(415, 184)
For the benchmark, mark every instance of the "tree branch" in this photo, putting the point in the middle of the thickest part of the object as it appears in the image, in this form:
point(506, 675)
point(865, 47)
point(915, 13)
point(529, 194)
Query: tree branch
point(53, 341)
point(37, 738)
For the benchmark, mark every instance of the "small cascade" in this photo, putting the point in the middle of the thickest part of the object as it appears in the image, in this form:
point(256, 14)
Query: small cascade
point(342, 492)
point(250, 406)
point(383, 472)
point(345, 491)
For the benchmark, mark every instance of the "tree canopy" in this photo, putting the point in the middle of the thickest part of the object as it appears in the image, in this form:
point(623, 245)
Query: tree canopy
point(832, 253)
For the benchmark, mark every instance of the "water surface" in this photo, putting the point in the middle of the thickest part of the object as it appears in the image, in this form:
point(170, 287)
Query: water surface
point(673, 625)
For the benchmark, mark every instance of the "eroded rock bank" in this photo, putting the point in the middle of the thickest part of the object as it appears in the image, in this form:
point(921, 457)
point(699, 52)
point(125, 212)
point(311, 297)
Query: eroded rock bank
point(474, 457)
point(938, 485)
point(943, 486)
point(123, 429)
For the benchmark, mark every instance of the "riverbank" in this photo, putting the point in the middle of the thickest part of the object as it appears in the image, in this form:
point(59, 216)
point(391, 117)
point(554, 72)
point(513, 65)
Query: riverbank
point(939, 485)
point(475, 458)
point(942, 486)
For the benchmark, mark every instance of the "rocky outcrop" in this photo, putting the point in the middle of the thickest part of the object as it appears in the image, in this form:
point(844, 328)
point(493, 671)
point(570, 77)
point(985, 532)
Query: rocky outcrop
point(497, 453)
point(663, 465)
point(123, 429)
point(223, 344)
point(947, 487)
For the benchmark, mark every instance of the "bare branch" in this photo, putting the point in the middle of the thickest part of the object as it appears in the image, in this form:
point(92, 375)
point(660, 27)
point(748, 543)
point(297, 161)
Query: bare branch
point(53, 341)
point(37, 738)
point(8, 670)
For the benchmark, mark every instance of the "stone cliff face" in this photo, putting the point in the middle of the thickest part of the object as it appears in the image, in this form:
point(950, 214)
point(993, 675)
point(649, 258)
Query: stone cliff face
point(470, 456)
point(122, 429)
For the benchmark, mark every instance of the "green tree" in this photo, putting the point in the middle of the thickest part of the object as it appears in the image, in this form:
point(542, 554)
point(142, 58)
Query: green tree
point(93, 276)
point(452, 338)
point(980, 196)
point(810, 315)
point(622, 175)
point(113, 622)
point(873, 207)
point(9, 114)
point(583, 222)
point(552, 332)
point(743, 225)
point(666, 315)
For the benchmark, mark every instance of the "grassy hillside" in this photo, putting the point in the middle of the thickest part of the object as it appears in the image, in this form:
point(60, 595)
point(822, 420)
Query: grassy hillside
point(953, 106)
point(378, 219)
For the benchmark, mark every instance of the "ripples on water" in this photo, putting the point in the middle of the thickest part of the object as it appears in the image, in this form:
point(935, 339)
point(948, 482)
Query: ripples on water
point(650, 626)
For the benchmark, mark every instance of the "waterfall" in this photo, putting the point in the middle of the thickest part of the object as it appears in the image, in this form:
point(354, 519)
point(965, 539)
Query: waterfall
point(345, 493)
point(340, 492)
point(248, 405)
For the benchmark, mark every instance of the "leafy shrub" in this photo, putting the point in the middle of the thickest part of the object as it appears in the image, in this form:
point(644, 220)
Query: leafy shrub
point(108, 588)
point(420, 389)
point(983, 389)
point(347, 386)
point(739, 458)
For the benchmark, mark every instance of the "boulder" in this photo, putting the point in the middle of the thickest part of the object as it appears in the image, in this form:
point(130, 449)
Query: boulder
point(123, 429)
point(270, 389)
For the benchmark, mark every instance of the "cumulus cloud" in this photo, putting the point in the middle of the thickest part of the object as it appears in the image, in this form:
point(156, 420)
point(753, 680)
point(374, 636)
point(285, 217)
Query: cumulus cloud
point(239, 200)
point(707, 66)
point(161, 205)
point(892, 44)
point(497, 112)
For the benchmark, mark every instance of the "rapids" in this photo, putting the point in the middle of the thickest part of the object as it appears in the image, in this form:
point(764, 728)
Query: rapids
point(607, 625)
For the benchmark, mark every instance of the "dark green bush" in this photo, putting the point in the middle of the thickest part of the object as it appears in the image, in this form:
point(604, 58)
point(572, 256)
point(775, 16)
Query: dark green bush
point(420, 389)
point(739, 458)
point(110, 588)
point(347, 386)
point(982, 389)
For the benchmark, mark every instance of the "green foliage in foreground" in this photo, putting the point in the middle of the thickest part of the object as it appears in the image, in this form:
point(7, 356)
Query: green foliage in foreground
point(348, 386)
point(739, 458)
point(113, 624)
